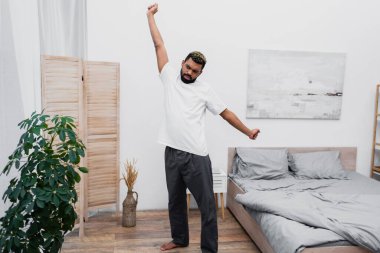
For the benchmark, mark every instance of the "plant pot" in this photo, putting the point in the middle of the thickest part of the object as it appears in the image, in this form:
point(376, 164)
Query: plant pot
point(129, 209)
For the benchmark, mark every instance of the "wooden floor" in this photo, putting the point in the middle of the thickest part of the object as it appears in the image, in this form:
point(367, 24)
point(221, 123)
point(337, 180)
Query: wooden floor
point(104, 233)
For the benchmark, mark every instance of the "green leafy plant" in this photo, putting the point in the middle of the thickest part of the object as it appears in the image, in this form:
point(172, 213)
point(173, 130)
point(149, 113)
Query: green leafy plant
point(43, 195)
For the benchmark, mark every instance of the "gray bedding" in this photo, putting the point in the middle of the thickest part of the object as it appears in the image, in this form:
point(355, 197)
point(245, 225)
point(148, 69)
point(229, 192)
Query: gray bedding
point(315, 212)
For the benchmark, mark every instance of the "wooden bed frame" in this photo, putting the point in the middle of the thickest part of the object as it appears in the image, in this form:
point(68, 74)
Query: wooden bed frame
point(348, 159)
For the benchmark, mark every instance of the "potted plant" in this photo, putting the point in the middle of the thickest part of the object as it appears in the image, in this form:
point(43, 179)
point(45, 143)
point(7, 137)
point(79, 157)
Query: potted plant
point(43, 195)
point(129, 204)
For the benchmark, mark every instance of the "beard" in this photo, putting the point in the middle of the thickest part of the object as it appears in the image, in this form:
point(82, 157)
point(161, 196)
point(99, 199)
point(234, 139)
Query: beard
point(187, 81)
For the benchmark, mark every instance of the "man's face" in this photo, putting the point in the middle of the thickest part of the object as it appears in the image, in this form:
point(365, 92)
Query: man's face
point(190, 71)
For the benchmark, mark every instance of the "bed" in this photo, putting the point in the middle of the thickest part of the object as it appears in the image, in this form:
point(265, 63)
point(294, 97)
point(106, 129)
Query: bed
point(252, 220)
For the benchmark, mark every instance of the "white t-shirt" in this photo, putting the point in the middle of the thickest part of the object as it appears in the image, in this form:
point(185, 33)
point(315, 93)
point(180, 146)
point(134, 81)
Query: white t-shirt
point(185, 105)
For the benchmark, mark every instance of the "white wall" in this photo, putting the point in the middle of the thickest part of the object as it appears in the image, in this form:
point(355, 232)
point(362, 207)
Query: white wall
point(224, 31)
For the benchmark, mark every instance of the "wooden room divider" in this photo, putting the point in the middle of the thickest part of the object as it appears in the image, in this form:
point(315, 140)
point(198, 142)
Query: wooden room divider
point(89, 92)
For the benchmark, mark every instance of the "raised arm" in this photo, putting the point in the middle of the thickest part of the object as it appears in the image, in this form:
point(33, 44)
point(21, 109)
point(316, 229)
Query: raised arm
point(162, 56)
point(231, 118)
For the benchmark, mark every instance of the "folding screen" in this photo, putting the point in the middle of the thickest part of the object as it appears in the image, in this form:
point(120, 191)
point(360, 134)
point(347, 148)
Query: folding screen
point(101, 81)
point(88, 91)
point(62, 93)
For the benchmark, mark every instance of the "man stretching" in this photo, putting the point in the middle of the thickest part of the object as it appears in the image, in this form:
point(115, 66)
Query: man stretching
point(187, 164)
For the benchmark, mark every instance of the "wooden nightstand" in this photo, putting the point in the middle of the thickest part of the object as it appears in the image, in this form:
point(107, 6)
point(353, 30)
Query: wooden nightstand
point(220, 186)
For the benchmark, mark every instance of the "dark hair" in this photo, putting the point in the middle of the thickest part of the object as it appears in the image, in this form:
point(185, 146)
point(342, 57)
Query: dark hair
point(197, 57)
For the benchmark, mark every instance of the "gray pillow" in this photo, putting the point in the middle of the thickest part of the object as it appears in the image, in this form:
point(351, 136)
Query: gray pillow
point(322, 164)
point(256, 163)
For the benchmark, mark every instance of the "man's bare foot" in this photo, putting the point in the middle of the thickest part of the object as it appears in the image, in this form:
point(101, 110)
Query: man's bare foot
point(169, 246)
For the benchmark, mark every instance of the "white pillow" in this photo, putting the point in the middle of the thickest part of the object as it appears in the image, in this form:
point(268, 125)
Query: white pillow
point(322, 164)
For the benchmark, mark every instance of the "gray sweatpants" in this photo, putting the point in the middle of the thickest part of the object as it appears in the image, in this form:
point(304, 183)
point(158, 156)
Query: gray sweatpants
point(183, 170)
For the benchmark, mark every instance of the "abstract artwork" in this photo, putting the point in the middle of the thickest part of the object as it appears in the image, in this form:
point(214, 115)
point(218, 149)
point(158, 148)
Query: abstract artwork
point(295, 84)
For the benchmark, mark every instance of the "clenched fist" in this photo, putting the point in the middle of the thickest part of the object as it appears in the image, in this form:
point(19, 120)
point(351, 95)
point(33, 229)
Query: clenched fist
point(254, 133)
point(152, 9)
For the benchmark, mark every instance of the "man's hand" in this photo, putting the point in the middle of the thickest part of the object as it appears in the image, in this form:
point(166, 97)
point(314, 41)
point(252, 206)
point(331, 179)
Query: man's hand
point(254, 133)
point(231, 118)
point(152, 9)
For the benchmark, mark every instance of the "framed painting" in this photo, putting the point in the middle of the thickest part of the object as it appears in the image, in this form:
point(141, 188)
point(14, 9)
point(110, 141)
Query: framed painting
point(295, 84)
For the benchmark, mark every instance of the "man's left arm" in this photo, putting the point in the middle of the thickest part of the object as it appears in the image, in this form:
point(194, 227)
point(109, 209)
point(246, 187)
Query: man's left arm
point(231, 118)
